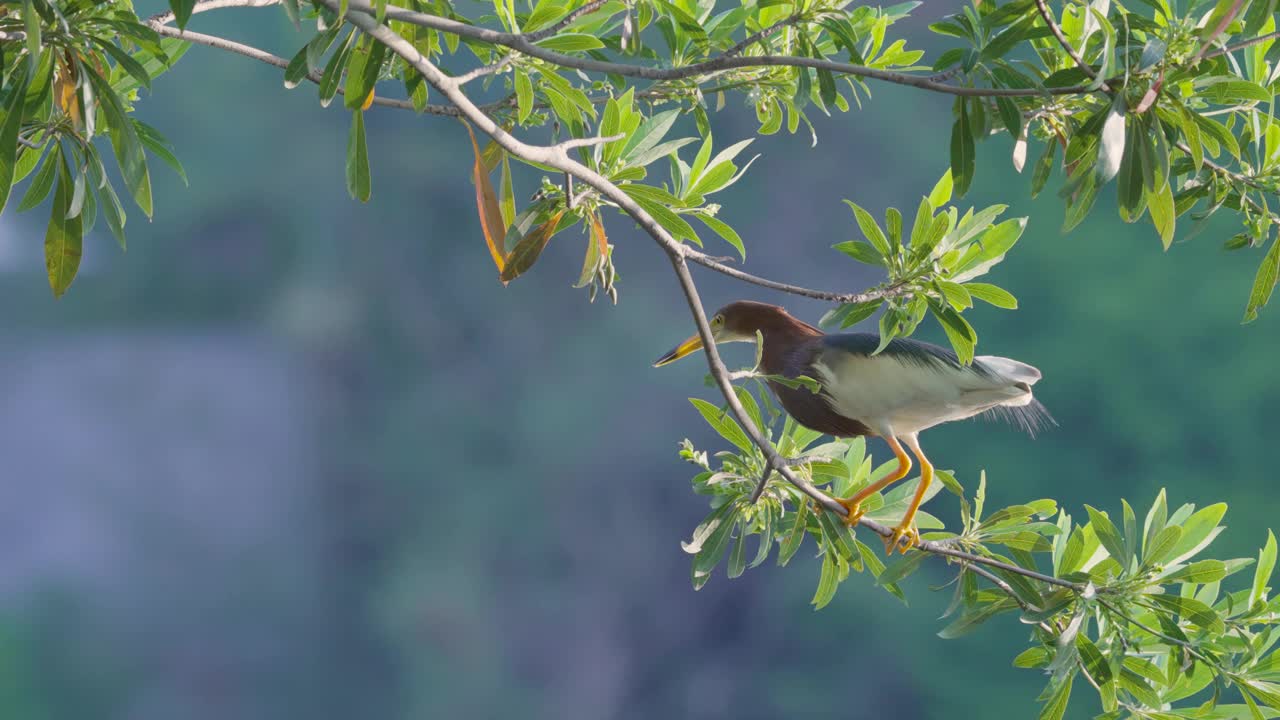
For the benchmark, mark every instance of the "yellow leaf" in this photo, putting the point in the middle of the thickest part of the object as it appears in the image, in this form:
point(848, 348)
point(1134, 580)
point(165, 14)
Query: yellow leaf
point(487, 206)
point(526, 252)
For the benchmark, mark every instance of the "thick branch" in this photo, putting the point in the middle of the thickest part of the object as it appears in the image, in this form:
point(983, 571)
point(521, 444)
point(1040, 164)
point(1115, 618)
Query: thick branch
point(263, 56)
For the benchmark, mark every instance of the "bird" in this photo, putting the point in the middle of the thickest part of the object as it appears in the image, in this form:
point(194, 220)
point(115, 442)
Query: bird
point(895, 394)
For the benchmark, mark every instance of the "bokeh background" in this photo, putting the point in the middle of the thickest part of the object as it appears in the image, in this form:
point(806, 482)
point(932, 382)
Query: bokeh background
point(291, 456)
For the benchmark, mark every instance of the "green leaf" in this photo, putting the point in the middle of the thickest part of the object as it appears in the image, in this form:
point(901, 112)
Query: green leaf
point(181, 11)
point(870, 228)
point(1056, 707)
point(1262, 573)
point(1191, 610)
point(1264, 282)
point(959, 332)
point(571, 42)
point(1162, 546)
point(900, 569)
point(972, 618)
point(333, 70)
point(738, 556)
point(992, 295)
point(1198, 531)
point(1094, 663)
point(1035, 657)
point(723, 423)
point(791, 543)
point(296, 70)
point(1160, 207)
point(32, 20)
point(363, 68)
point(1044, 166)
point(9, 127)
point(126, 61)
point(124, 141)
point(1108, 535)
point(527, 251)
point(827, 582)
point(524, 96)
point(160, 147)
point(64, 236)
point(861, 251)
point(649, 134)
point(850, 314)
point(291, 11)
point(41, 184)
point(724, 231)
point(962, 150)
point(1203, 571)
point(1112, 141)
point(941, 193)
point(358, 182)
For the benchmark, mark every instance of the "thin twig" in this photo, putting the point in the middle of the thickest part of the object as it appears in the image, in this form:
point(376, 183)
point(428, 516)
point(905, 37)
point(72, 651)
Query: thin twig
point(1062, 40)
point(1218, 29)
point(263, 56)
point(587, 141)
point(565, 21)
point(483, 70)
point(1242, 45)
point(757, 37)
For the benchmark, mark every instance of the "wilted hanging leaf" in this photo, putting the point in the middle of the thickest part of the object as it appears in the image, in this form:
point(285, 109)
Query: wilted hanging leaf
point(596, 247)
point(65, 93)
point(487, 206)
point(526, 252)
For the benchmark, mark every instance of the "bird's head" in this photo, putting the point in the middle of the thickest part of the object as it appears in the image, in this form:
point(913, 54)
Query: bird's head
point(736, 322)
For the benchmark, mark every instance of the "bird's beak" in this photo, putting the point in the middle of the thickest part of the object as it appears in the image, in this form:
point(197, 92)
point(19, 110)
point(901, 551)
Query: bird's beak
point(691, 345)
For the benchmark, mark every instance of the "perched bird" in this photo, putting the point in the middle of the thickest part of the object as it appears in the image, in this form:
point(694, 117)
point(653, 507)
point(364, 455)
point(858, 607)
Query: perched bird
point(908, 387)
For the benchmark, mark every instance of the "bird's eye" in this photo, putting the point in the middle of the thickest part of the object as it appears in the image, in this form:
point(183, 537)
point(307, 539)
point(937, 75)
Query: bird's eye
point(717, 321)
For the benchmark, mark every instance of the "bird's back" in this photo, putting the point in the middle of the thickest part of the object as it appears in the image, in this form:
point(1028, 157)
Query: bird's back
point(912, 385)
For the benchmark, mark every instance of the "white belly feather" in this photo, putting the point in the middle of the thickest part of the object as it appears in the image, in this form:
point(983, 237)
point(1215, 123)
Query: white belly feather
point(900, 395)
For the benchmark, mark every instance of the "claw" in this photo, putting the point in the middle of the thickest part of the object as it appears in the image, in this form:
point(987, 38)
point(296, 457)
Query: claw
point(904, 538)
point(855, 511)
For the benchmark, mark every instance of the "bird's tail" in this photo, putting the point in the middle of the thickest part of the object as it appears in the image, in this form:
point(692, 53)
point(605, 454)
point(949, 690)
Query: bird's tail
point(1031, 418)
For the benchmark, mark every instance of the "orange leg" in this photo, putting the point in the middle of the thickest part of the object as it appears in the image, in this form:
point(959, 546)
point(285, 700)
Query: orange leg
point(854, 504)
point(905, 536)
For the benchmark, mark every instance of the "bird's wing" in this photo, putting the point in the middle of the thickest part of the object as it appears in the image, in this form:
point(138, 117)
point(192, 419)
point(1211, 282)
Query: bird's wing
point(913, 385)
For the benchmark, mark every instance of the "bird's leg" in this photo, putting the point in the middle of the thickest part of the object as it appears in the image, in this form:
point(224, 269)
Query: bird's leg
point(906, 535)
point(854, 504)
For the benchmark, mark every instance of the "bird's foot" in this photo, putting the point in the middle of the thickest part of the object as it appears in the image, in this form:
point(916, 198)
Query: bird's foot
point(855, 511)
point(903, 538)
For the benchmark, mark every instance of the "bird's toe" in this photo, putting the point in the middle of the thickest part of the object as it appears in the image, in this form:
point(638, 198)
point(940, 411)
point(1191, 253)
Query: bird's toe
point(903, 538)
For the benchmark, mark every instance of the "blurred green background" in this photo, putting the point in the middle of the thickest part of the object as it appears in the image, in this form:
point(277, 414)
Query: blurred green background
point(291, 456)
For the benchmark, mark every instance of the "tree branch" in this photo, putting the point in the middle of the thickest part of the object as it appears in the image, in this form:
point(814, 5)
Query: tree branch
point(556, 157)
point(263, 56)
point(521, 42)
point(757, 37)
point(1062, 40)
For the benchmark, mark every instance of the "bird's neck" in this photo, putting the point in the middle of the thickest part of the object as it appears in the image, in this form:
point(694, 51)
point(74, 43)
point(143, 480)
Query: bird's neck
point(782, 335)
